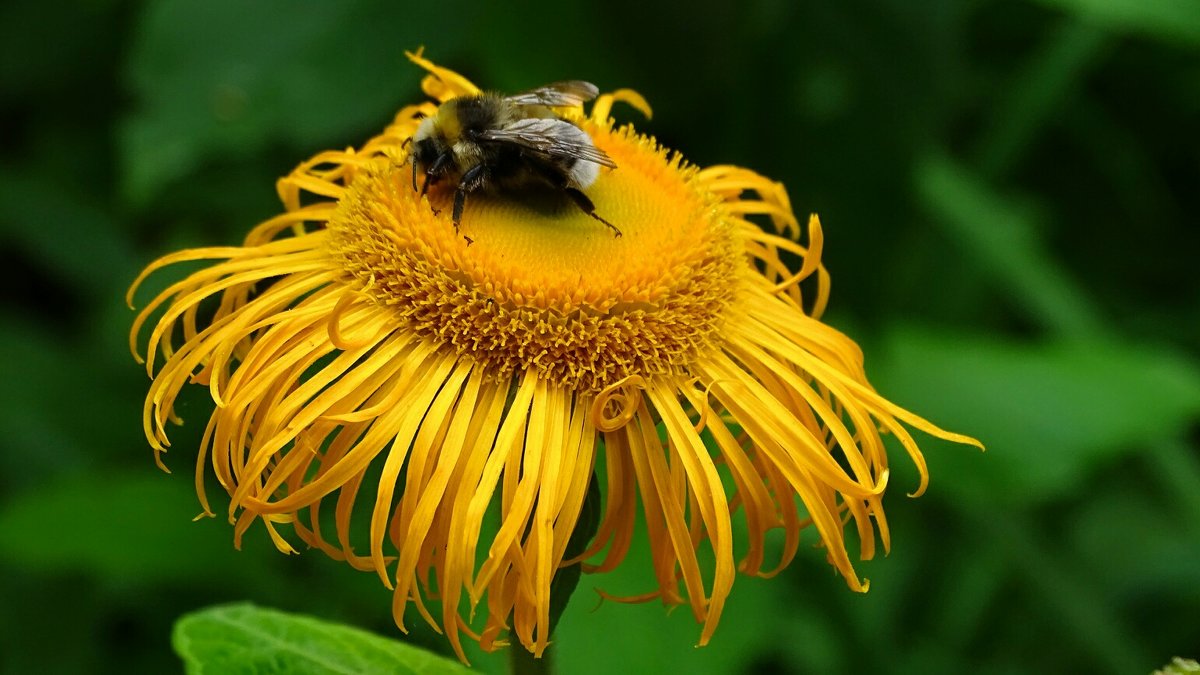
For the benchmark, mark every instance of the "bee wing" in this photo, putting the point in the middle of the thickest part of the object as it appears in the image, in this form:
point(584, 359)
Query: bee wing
point(558, 94)
point(550, 137)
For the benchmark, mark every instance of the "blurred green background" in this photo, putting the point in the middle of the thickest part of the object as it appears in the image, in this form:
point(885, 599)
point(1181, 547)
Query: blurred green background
point(1009, 192)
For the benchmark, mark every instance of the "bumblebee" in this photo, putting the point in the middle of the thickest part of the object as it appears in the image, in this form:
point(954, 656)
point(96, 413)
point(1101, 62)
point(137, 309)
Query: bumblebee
point(498, 144)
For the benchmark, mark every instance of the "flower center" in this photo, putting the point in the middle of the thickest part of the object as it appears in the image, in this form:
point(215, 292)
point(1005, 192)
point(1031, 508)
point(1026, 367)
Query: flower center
point(542, 285)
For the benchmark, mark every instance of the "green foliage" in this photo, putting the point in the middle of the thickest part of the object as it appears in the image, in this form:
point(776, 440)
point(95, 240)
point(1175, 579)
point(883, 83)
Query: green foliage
point(323, 71)
point(1050, 414)
point(1163, 19)
point(1008, 193)
point(59, 529)
point(1002, 236)
point(243, 638)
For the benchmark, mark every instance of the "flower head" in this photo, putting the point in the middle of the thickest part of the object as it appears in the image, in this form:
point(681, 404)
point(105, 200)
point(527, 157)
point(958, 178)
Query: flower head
point(366, 357)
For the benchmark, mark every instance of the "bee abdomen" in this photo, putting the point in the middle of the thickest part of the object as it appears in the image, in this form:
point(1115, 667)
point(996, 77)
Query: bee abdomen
point(582, 173)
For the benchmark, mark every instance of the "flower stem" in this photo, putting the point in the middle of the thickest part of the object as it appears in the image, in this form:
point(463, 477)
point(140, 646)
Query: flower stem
point(522, 662)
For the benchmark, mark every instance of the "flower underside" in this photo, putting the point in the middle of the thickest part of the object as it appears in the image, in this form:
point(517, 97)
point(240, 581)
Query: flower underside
point(362, 351)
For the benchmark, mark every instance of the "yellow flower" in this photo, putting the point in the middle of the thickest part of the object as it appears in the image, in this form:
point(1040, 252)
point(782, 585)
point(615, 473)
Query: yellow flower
point(360, 351)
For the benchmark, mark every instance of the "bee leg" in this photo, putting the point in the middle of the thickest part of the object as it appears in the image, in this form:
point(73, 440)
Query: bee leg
point(471, 181)
point(409, 159)
point(581, 200)
point(435, 171)
point(429, 181)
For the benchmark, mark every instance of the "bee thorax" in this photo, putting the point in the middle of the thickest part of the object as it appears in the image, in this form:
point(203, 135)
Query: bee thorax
point(468, 154)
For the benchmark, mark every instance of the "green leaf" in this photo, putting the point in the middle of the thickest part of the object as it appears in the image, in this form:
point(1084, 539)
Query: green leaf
point(1002, 235)
point(1049, 414)
point(1153, 558)
point(56, 226)
point(53, 417)
point(1049, 78)
point(227, 78)
point(1170, 20)
point(243, 638)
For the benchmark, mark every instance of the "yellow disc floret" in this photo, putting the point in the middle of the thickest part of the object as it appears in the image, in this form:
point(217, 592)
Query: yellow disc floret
point(531, 282)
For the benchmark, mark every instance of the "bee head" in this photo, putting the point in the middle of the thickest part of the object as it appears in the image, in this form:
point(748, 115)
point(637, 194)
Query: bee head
point(428, 143)
point(431, 154)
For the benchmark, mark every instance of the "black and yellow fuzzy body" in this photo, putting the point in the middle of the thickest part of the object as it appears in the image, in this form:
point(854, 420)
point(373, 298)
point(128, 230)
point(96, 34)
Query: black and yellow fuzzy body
point(508, 144)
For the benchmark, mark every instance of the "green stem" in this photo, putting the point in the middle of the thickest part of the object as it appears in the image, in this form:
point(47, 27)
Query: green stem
point(1078, 604)
point(522, 662)
point(1179, 471)
point(1050, 77)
